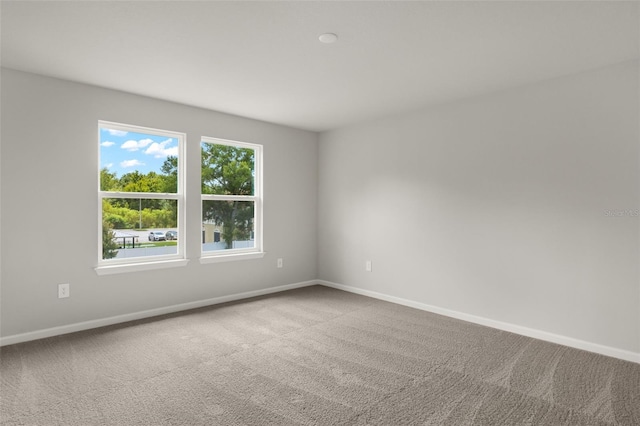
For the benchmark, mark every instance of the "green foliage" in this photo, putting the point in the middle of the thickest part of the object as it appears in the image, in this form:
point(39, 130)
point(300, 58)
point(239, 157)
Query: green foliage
point(228, 170)
point(235, 217)
point(109, 245)
point(170, 178)
point(114, 220)
point(120, 216)
point(108, 181)
point(130, 213)
point(137, 182)
point(167, 182)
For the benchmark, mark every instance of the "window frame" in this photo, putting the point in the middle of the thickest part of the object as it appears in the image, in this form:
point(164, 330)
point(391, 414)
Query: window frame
point(256, 251)
point(144, 263)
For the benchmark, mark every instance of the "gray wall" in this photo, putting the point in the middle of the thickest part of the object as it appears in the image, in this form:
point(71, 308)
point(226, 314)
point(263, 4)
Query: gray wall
point(496, 206)
point(49, 205)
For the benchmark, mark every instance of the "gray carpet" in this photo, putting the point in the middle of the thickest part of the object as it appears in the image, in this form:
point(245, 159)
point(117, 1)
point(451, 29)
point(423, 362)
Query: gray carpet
point(311, 356)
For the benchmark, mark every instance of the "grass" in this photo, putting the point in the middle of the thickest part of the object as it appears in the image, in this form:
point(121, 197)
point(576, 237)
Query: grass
point(148, 244)
point(158, 243)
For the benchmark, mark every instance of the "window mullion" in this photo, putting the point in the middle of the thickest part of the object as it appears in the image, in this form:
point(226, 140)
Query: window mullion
point(229, 197)
point(143, 195)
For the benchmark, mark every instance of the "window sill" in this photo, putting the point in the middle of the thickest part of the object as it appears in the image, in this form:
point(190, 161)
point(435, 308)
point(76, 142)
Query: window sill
point(136, 267)
point(231, 257)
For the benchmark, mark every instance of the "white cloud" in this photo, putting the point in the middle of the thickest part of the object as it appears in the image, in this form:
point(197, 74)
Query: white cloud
point(107, 144)
point(160, 150)
point(116, 132)
point(132, 145)
point(108, 166)
point(130, 163)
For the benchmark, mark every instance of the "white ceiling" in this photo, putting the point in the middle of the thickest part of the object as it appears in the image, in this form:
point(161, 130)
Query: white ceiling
point(263, 59)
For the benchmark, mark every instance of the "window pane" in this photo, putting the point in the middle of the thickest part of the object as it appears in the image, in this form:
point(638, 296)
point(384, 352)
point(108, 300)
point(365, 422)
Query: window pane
point(227, 170)
point(138, 228)
point(227, 225)
point(138, 162)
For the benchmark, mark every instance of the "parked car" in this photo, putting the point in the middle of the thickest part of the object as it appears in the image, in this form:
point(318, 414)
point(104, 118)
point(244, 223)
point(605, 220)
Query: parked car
point(157, 236)
point(171, 235)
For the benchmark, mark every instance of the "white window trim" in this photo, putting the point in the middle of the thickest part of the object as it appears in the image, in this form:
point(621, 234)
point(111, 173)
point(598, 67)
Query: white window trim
point(244, 253)
point(140, 266)
point(115, 266)
point(232, 257)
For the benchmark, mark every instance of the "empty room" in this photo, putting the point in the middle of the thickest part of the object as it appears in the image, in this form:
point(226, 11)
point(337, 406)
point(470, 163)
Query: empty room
point(320, 213)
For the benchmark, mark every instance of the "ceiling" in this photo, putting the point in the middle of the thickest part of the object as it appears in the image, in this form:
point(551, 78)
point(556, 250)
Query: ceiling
point(263, 59)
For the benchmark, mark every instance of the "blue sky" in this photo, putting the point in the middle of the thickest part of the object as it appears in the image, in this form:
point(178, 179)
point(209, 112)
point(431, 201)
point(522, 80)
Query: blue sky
point(124, 152)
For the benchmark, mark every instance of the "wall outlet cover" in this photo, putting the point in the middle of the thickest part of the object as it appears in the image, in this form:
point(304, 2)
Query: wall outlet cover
point(63, 290)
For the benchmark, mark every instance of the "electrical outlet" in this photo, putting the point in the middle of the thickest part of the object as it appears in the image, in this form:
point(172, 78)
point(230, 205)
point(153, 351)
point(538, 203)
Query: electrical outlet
point(280, 263)
point(63, 290)
point(367, 266)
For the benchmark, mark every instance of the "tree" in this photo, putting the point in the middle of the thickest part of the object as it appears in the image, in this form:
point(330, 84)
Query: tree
point(228, 170)
point(170, 174)
point(109, 245)
point(169, 184)
point(108, 181)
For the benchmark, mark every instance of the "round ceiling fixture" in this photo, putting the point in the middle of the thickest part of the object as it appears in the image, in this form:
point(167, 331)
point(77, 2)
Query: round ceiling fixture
point(328, 38)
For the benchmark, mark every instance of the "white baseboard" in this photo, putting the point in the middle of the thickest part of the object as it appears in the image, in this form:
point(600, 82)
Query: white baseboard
point(86, 325)
point(525, 331)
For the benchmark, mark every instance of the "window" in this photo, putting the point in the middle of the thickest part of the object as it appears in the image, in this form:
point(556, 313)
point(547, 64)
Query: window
point(231, 199)
point(141, 203)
